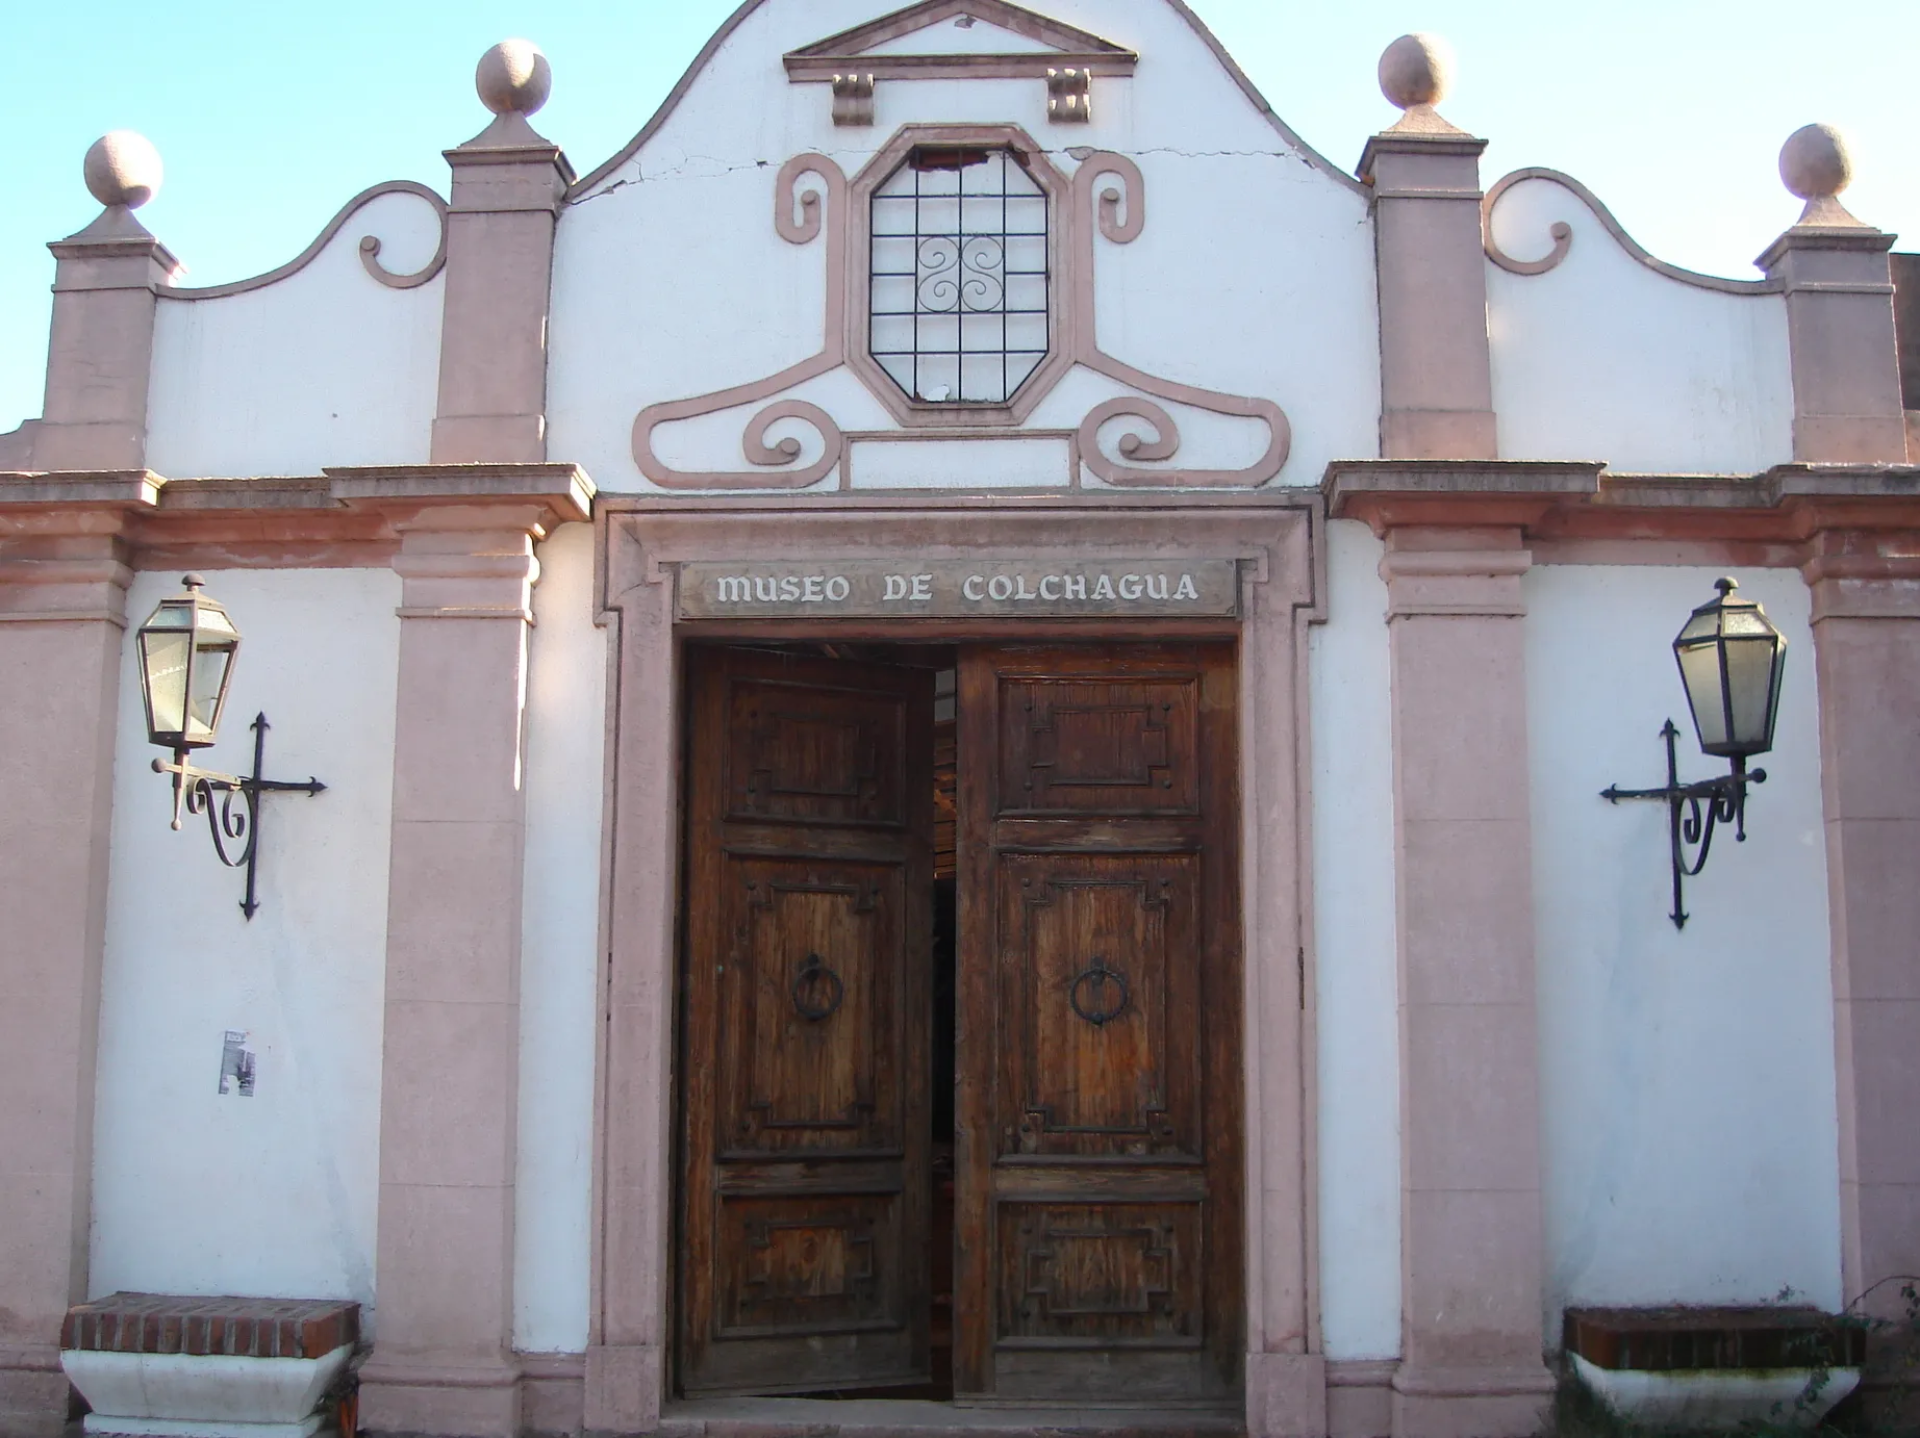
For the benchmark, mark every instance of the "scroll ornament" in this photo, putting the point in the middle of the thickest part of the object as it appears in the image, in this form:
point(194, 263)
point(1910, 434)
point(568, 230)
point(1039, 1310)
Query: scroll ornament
point(1108, 194)
point(369, 250)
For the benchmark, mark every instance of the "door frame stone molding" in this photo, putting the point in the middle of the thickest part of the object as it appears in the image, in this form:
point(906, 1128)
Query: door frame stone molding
point(1277, 539)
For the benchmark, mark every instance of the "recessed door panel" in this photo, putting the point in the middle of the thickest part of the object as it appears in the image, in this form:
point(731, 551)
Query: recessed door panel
point(1112, 1275)
point(810, 1002)
point(1100, 1002)
point(1098, 1154)
point(803, 1244)
point(1111, 746)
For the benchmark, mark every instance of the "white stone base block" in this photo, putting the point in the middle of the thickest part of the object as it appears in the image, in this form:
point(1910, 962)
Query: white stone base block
point(1716, 1398)
point(200, 1428)
point(218, 1396)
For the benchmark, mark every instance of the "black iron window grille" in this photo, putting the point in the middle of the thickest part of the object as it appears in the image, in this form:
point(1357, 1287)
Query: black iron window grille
point(958, 275)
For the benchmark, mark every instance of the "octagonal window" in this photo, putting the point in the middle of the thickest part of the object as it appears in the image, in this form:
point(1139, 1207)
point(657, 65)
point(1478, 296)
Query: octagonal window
point(958, 275)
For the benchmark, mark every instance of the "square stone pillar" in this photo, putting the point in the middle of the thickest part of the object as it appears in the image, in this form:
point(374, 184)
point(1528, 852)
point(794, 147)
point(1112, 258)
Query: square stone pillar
point(63, 591)
point(1436, 368)
point(1471, 1220)
point(443, 1328)
point(100, 353)
point(508, 186)
point(1846, 370)
point(1866, 635)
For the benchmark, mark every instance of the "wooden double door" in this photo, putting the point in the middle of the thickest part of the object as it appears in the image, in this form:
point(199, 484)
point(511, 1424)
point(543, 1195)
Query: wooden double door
point(1097, 1217)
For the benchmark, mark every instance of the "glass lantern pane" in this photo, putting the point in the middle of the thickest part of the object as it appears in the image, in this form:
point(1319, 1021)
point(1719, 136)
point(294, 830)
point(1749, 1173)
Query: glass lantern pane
point(1700, 672)
point(209, 677)
point(1700, 627)
point(170, 614)
point(1750, 672)
point(164, 657)
point(214, 623)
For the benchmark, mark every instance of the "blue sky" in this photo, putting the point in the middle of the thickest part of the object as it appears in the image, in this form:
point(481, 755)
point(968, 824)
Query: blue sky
point(269, 117)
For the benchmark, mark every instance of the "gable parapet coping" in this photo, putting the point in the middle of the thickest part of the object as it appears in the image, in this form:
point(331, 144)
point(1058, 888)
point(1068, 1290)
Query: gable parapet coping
point(369, 250)
point(585, 186)
point(1561, 235)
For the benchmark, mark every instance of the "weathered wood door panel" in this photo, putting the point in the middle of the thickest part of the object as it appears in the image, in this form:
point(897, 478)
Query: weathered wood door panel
point(803, 1245)
point(1100, 1211)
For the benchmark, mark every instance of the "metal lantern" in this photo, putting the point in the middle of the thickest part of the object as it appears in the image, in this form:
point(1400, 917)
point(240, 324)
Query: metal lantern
point(1731, 660)
point(186, 660)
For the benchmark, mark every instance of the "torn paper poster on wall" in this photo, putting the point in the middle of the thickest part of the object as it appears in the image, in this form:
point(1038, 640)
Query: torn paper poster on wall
point(236, 1064)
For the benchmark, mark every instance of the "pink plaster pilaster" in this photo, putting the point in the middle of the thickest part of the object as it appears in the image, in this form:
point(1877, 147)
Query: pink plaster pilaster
point(1436, 372)
point(63, 582)
point(1866, 628)
point(100, 352)
point(442, 1362)
point(1846, 372)
point(1470, 1161)
point(508, 186)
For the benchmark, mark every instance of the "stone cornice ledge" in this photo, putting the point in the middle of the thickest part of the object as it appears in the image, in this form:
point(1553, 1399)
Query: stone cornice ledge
point(1389, 493)
point(563, 489)
point(1554, 499)
point(114, 488)
point(340, 517)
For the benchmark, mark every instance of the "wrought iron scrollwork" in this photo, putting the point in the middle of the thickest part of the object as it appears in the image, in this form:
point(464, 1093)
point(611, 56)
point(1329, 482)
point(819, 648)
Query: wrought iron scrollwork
point(228, 824)
point(236, 818)
point(814, 971)
point(1693, 812)
point(1095, 978)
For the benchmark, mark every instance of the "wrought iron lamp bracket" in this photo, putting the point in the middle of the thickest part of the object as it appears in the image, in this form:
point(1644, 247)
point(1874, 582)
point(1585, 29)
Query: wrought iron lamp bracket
point(1693, 812)
point(236, 818)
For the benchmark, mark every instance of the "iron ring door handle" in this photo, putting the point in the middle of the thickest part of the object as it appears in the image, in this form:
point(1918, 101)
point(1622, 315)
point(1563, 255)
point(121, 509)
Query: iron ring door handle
point(1095, 977)
point(814, 968)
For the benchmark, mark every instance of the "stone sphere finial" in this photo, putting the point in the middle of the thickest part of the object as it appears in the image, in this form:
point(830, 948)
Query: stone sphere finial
point(123, 168)
point(513, 78)
point(1416, 70)
point(1815, 164)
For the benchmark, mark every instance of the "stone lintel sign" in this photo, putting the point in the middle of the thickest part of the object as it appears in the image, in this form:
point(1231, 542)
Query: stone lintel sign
point(914, 587)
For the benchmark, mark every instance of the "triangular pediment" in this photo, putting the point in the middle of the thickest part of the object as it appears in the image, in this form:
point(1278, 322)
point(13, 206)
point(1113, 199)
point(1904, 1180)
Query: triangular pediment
point(948, 35)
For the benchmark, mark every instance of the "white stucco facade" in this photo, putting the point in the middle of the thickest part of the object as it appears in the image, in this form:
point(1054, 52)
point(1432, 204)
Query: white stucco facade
point(1603, 357)
point(648, 307)
point(559, 961)
point(201, 1192)
point(325, 367)
point(1691, 1154)
point(1354, 958)
point(1451, 491)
